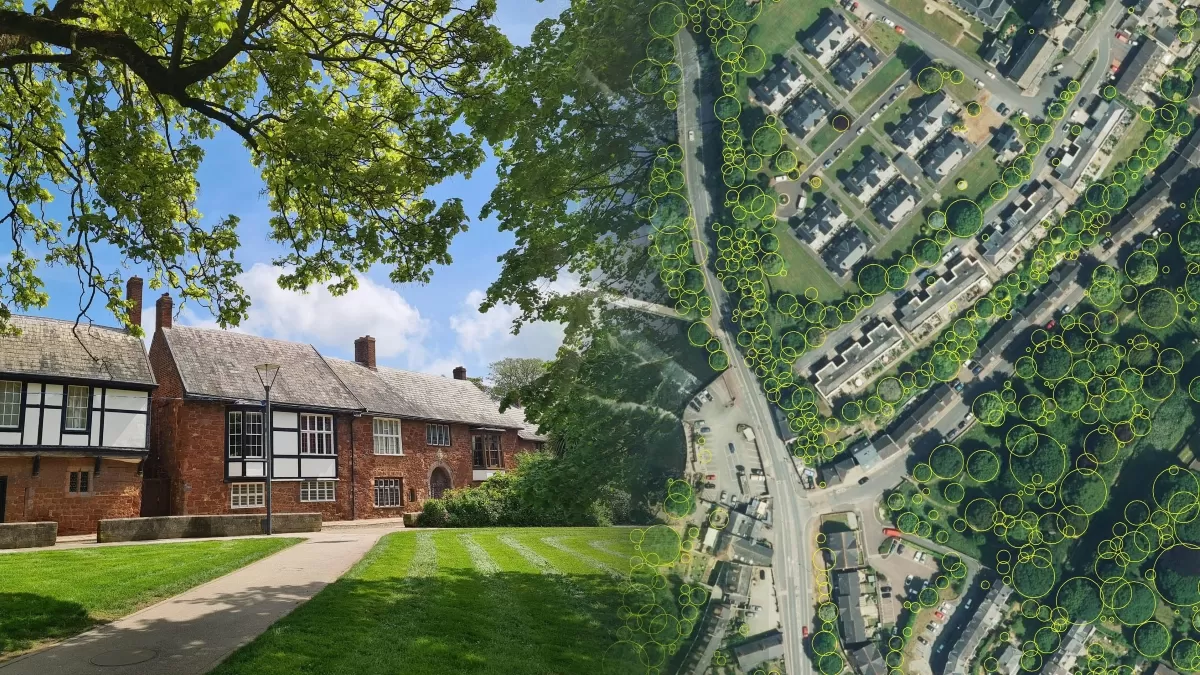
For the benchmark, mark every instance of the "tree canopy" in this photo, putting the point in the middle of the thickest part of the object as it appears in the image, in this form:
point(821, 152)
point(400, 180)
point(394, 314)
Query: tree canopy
point(350, 111)
point(509, 375)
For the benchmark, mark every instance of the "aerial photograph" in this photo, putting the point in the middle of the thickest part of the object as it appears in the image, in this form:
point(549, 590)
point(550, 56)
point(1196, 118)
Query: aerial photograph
point(612, 337)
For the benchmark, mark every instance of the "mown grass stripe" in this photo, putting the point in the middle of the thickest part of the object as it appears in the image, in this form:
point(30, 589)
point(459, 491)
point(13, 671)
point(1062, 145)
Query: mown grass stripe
point(424, 562)
point(532, 557)
point(586, 559)
point(562, 562)
point(507, 558)
point(480, 560)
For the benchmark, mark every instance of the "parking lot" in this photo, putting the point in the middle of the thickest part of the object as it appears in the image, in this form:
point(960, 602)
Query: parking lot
point(737, 473)
point(762, 601)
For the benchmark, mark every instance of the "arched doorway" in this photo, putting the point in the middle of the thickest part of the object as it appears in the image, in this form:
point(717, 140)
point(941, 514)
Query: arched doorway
point(439, 482)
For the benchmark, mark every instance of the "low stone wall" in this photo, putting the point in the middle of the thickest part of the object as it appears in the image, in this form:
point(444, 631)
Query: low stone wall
point(28, 535)
point(184, 527)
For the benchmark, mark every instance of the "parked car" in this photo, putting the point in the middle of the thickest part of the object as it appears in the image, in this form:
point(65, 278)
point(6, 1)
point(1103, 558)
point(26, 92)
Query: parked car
point(724, 494)
point(711, 476)
point(876, 115)
point(732, 450)
point(930, 627)
point(889, 22)
point(900, 30)
point(691, 134)
point(706, 395)
point(828, 163)
point(1066, 309)
point(710, 485)
point(958, 386)
point(900, 549)
point(991, 75)
point(979, 83)
point(977, 369)
point(916, 555)
point(863, 480)
point(899, 88)
point(893, 97)
point(922, 640)
point(885, 596)
point(838, 152)
point(804, 631)
point(1051, 324)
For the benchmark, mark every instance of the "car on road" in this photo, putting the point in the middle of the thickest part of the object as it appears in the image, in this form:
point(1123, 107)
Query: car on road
point(691, 134)
point(860, 131)
point(732, 450)
point(1051, 324)
point(979, 83)
point(876, 115)
point(958, 386)
point(724, 494)
point(828, 163)
point(977, 369)
point(863, 480)
point(991, 75)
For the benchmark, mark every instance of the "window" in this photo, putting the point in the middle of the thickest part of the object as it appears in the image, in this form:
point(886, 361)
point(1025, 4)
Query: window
point(316, 491)
point(387, 437)
point(388, 492)
point(245, 431)
point(316, 434)
point(77, 408)
point(10, 404)
point(79, 483)
point(246, 495)
point(437, 434)
point(485, 450)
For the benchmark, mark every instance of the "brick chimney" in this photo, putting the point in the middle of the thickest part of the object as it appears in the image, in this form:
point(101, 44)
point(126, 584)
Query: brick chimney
point(163, 309)
point(133, 293)
point(364, 351)
point(460, 373)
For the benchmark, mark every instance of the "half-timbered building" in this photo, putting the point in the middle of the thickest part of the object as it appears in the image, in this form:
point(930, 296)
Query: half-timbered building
point(348, 439)
point(74, 421)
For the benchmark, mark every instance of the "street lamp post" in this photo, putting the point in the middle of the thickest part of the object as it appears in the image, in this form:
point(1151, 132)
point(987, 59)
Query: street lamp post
point(267, 372)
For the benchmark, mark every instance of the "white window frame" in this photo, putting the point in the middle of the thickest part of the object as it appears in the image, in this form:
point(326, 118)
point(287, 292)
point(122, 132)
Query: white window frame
point(73, 399)
point(317, 491)
point(386, 432)
point(10, 404)
point(316, 435)
point(247, 495)
point(233, 430)
point(437, 434)
point(387, 487)
point(253, 419)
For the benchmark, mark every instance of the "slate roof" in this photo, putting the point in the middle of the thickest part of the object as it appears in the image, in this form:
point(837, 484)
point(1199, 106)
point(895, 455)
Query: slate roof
point(944, 155)
point(806, 111)
point(921, 123)
point(990, 12)
point(1028, 65)
point(828, 36)
point(56, 348)
point(854, 65)
point(766, 647)
point(820, 219)
point(1136, 66)
point(868, 173)
point(895, 202)
point(847, 248)
point(868, 661)
point(220, 364)
point(845, 550)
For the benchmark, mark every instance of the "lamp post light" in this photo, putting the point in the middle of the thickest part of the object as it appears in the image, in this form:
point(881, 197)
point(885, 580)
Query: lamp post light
point(267, 372)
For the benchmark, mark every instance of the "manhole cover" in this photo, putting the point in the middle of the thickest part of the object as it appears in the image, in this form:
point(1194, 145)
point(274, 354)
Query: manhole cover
point(123, 657)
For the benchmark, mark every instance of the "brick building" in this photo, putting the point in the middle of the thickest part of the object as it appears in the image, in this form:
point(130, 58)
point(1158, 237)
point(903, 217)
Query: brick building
point(74, 402)
point(348, 438)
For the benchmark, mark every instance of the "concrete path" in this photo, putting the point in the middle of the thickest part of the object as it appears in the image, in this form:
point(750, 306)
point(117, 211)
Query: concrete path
point(193, 632)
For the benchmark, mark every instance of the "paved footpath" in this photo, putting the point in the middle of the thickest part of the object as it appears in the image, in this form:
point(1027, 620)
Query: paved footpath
point(191, 633)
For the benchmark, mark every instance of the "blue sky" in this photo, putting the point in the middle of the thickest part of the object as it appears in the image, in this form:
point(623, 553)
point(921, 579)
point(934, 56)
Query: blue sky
point(432, 327)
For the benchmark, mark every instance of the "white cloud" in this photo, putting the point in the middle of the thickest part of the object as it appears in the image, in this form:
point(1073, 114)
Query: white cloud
point(318, 318)
point(488, 337)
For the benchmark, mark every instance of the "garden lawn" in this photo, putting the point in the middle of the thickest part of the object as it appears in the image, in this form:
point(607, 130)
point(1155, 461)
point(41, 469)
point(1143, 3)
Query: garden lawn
point(980, 171)
point(820, 140)
point(879, 83)
point(777, 26)
point(896, 110)
point(886, 39)
point(493, 601)
point(900, 240)
point(804, 269)
point(963, 91)
point(1135, 135)
point(937, 23)
point(969, 45)
point(849, 158)
point(52, 595)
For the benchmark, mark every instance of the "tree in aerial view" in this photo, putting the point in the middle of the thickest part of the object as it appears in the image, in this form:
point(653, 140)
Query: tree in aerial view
point(964, 218)
point(1142, 268)
point(1175, 87)
point(930, 80)
point(350, 111)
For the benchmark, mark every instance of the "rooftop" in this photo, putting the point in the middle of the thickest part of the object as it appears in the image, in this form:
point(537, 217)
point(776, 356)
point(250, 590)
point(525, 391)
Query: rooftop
point(944, 155)
point(986, 616)
point(828, 36)
point(923, 304)
point(846, 554)
point(61, 349)
point(922, 123)
point(868, 174)
point(1026, 67)
point(895, 202)
point(806, 111)
point(779, 84)
point(846, 250)
point(1137, 66)
point(766, 647)
point(852, 357)
point(854, 65)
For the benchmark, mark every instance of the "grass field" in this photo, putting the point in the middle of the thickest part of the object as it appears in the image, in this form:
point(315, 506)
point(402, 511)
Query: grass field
point(886, 39)
point(803, 270)
point(963, 91)
point(52, 595)
point(879, 83)
point(776, 29)
point(937, 23)
point(969, 45)
point(494, 601)
point(1135, 135)
point(822, 138)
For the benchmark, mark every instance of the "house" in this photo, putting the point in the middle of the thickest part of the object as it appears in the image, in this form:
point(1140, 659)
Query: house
point(854, 65)
point(990, 12)
point(987, 615)
point(867, 660)
point(954, 283)
point(836, 473)
point(348, 439)
point(1073, 645)
point(779, 85)
point(848, 593)
point(868, 175)
point(1026, 68)
point(865, 454)
point(1009, 662)
point(820, 224)
point(828, 37)
point(1138, 67)
point(895, 202)
point(926, 119)
point(74, 407)
point(846, 250)
point(997, 52)
point(766, 647)
point(806, 112)
point(925, 413)
point(943, 156)
point(852, 357)
point(846, 554)
point(1072, 10)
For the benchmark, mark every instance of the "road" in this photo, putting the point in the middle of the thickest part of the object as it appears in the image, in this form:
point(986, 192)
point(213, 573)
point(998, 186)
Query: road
point(791, 556)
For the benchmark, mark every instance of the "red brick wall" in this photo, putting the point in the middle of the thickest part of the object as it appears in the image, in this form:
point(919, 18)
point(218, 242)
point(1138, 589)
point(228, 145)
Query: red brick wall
point(116, 492)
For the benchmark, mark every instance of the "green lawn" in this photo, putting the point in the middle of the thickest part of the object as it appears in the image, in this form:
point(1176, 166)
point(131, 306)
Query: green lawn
point(850, 156)
point(1135, 135)
point(980, 171)
point(937, 23)
point(886, 39)
point(969, 45)
point(776, 29)
point(822, 138)
point(804, 270)
point(52, 595)
point(892, 114)
point(879, 83)
point(963, 91)
point(495, 601)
